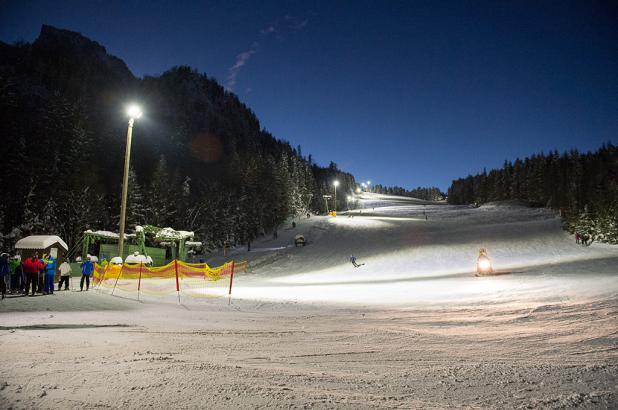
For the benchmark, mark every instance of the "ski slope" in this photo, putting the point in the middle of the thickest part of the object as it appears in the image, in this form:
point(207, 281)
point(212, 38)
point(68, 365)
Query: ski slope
point(422, 252)
point(412, 328)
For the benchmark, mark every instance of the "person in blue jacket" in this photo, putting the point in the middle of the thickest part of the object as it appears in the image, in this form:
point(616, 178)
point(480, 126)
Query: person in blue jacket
point(50, 273)
point(87, 269)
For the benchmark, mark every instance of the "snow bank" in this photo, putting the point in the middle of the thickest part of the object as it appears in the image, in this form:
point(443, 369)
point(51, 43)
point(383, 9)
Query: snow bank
point(172, 234)
point(109, 234)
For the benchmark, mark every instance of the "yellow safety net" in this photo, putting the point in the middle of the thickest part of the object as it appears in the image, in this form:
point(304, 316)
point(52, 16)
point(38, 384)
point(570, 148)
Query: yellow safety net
point(196, 280)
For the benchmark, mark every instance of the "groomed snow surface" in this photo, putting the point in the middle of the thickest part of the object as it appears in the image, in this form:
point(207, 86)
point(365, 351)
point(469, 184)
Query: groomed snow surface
point(412, 328)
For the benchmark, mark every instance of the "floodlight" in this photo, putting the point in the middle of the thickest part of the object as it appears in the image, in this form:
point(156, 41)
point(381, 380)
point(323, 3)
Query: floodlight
point(134, 111)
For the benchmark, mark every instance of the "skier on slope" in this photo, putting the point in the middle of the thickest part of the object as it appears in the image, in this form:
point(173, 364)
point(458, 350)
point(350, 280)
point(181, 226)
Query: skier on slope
point(353, 260)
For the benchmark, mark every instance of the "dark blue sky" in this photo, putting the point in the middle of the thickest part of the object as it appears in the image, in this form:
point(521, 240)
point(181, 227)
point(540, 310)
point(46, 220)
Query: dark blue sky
point(407, 93)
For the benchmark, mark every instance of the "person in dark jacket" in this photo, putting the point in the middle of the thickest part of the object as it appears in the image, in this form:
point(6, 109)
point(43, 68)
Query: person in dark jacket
point(87, 269)
point(4, 273)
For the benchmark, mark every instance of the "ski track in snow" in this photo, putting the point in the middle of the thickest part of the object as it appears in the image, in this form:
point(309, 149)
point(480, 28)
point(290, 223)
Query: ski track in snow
point(413, 328)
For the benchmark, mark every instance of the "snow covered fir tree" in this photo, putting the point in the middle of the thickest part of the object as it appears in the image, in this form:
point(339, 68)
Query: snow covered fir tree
point(582, 187)
point(427, 194)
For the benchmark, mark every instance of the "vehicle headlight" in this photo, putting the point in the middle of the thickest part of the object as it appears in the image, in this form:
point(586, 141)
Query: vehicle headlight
point(484, 264)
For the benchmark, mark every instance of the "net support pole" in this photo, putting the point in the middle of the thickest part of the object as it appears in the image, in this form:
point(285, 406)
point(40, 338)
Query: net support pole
point(229, 294)
point(103, 278)
point(95, 273)
point(205, 280)
point(118, 277)
point(177, 282)
point(139, 280)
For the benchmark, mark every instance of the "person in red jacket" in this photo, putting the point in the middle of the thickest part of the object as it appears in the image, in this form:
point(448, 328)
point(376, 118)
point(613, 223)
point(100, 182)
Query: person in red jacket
point(31, 267)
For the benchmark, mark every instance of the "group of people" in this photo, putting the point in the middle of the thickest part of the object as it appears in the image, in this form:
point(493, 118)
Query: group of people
point(38, 274)
point(583, 239)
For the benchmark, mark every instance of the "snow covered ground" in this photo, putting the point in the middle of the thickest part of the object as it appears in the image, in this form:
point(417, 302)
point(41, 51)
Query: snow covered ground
point(412, 328)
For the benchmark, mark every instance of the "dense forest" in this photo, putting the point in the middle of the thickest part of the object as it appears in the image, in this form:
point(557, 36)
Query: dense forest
point(582, 187)
point(427, 194)
point(200, 159)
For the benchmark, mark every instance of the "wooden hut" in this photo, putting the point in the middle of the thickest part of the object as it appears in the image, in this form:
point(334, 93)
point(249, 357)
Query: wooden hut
point(49, 244)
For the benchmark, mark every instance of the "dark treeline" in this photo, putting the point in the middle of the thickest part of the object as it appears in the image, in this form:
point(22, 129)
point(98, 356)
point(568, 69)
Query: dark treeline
point(200, 160)
point(427, 194)
point(583, 187)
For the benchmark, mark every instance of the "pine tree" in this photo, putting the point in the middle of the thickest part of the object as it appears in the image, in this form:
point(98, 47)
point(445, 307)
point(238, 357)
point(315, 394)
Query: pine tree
point(86, 211)
point(282, 184)
point(31, 219)
point(136, 208)
point(160, 196)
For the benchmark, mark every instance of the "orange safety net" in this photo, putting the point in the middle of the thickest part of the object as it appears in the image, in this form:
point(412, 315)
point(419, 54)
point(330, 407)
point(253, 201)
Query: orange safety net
point(241, 267)
point(197, 280)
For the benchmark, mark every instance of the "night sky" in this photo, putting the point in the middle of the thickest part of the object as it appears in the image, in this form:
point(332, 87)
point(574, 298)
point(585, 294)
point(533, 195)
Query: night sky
point(403, 93)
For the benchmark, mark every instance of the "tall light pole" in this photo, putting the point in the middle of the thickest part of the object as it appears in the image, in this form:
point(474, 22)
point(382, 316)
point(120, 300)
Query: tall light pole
point(326, 198)
point(133, 111)
point(335, 184)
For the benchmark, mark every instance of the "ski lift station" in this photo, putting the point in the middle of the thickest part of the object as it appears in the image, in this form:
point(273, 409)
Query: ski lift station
point(160, 244)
